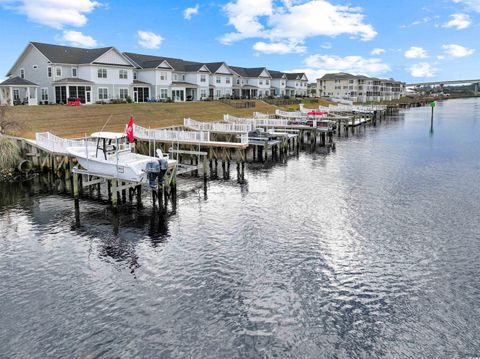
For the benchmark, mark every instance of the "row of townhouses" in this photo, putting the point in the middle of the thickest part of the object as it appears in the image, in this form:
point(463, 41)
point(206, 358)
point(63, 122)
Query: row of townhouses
point(46, 73)
point(359, 88)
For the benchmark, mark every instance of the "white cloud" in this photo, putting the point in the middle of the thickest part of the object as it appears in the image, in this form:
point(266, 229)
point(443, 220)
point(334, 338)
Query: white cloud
point(54, 13)
point(279, 48)
point(458, 21)
point(378, 51)
point(417, 22)
point(422, 69)
point(454, 50)
point(471, 4)
point(415, 52)
point(190, 11)
point(326, 45)
point(76, 38)
point(352, 64)
point(294, 22)
point(149, 40)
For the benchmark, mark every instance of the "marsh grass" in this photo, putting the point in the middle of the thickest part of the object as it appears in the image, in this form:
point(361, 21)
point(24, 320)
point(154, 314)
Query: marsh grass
point(10, 154)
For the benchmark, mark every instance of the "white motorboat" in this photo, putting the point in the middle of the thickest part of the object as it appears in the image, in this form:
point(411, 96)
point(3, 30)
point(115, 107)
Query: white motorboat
point(112, 156)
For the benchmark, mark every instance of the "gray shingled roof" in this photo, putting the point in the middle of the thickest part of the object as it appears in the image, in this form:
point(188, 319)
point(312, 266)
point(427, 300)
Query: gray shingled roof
point(214, 66)
point(276, 74)
point(248, 71)
point(151, 62)
point(294, 76)
point(69, 55)
point(17, 81)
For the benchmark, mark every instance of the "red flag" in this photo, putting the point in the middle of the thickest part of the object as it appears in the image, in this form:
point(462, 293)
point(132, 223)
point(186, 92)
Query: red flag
point(129, 130)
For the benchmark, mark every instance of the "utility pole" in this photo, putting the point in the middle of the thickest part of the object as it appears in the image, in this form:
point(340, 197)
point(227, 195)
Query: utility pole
point(432, 104)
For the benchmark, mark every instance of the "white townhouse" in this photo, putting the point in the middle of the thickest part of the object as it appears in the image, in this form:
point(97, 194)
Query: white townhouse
point(297, 84)
point(359, 88)
point(163, 78)
point(251, 82)
point(221, 80)
point(58, 73)
point(46, 73)
point(279, 83)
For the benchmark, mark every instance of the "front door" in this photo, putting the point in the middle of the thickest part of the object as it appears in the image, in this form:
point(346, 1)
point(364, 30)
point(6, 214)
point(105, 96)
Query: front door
point(88, 96)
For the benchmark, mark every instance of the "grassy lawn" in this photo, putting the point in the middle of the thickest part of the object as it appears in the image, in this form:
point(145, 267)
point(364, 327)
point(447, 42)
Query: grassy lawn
point(71, 121)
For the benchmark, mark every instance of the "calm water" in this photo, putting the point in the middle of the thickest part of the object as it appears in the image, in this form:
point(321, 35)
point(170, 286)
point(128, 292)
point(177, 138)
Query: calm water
point(371, 251)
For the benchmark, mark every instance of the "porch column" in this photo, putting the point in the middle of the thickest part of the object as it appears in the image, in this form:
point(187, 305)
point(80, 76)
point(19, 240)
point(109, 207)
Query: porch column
point(36, 95)
point(11, 96)
point(28, 95)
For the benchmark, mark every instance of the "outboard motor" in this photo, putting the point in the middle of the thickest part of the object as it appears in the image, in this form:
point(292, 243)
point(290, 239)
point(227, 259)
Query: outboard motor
point(163, 164)
point(153, 170)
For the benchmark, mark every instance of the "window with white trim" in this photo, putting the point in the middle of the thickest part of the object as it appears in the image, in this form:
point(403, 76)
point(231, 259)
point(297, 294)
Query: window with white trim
point(102, 93)
point(218, 93)
point(163, 76)
point(58, 71)
point(22, 73)
point(122, 74)
point(123, 93)
point(44, 94)
point(227, 80)
point(260, 82)
point(203, 78)
point(267, 82)
point(164, 93)
point(102, 73)
point(203, 93)
point(49, 71)
point(74, 72)
point(218, 79)
point(135, 75)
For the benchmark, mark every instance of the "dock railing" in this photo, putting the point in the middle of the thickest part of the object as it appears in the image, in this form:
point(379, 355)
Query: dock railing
point(222, 127)
point(56, 144)
point(261, 115)
point(159, 134)
point(290, 115)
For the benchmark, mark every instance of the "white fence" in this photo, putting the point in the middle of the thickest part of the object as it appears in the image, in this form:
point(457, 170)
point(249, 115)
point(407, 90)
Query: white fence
point(218, 126)
point(256, 122)
point(157, 134)
point(355, 108)
point(260, 115)
point(56, 144)
point(291, 115)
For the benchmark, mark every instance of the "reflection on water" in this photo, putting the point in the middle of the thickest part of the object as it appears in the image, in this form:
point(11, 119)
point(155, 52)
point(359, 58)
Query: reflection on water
point(368, 251)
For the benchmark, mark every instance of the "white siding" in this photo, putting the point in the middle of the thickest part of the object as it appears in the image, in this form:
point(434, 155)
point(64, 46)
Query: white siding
point(112, 57)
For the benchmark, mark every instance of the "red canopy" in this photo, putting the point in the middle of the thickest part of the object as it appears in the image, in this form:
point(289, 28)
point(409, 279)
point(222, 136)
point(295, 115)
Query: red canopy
point(317, 113)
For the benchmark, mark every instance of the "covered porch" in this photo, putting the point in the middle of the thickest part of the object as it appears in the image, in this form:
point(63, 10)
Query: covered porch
point(18, 91)
point(249, 92)
point(184, 91)
point(73, 88)
point(290, 91)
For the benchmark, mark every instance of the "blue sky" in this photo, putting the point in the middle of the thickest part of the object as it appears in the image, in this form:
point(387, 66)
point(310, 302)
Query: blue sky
point(410, 40)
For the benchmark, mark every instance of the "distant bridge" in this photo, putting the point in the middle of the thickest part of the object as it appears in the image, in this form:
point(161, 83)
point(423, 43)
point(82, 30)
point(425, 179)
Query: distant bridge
point(450, 82)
